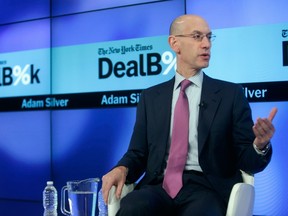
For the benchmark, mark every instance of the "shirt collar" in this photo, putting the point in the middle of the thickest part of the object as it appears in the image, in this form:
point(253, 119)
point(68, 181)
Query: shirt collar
point(197, 79)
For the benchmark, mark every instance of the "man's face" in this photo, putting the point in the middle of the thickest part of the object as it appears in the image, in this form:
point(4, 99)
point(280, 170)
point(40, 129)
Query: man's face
point(194, 45)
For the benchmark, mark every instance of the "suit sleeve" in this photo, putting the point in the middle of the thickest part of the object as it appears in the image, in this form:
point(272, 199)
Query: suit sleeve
point(249, 160)
point(136, 156)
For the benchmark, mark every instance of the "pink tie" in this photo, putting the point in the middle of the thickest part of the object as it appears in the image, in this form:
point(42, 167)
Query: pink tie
point(179, 144)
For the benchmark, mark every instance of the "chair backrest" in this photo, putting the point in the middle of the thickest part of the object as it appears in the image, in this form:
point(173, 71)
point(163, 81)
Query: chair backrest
point(247, 178)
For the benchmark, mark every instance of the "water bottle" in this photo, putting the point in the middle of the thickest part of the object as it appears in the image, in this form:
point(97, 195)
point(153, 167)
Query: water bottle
point(50, 200)
point(102, 207)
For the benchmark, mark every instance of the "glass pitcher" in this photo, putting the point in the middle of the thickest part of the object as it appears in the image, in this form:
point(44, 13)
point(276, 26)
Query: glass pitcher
point(82, 197)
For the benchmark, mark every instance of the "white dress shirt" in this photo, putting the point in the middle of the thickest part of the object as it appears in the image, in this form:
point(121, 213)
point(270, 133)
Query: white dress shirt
point(193, 93)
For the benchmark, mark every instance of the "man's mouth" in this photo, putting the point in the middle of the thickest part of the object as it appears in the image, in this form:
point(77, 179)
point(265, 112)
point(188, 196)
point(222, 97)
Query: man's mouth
point(205, 55)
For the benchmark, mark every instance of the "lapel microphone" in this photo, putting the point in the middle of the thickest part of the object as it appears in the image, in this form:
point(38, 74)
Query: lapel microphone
point(202, 105)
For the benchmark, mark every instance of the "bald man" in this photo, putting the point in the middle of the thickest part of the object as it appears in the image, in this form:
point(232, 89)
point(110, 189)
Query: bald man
point(222, 136)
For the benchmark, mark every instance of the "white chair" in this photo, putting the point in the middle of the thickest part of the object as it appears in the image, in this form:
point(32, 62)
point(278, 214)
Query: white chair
point(241, 201)
point(113, 202)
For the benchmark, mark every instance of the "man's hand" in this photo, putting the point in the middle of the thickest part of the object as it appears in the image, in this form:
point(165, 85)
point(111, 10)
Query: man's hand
point(264, 129)
point(116, 177)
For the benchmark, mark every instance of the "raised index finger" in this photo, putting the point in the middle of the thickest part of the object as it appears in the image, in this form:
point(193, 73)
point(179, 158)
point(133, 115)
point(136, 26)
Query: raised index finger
point(272, 113)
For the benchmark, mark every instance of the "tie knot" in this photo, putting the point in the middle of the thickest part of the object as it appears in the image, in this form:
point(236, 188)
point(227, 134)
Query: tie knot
point(184, 84)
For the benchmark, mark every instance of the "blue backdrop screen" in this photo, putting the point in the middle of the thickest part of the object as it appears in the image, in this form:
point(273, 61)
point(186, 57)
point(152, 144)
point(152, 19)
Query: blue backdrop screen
point(68, 112)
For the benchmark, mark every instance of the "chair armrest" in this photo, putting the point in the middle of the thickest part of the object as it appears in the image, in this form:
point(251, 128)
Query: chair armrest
point(241, 201)
point(113, 202)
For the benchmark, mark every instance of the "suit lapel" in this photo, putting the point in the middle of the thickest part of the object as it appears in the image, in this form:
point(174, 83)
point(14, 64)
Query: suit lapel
point(163, 96)
point(210, 101)
point(209, 97)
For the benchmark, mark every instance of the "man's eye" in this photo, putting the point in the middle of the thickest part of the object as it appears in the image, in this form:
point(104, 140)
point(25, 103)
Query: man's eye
point(197, 36)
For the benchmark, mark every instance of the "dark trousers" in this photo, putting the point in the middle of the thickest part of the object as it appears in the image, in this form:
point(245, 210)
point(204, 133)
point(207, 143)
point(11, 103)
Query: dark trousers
point(196, 198)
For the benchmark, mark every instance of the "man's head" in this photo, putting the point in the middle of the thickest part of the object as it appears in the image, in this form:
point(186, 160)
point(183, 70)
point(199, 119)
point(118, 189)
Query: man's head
point(190, 37)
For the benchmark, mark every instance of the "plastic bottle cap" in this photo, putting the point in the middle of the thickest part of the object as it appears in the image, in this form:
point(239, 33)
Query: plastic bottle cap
point(49, 182)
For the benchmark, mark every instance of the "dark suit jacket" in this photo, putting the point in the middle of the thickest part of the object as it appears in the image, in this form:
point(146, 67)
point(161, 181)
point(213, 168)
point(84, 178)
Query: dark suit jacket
point(225, 135)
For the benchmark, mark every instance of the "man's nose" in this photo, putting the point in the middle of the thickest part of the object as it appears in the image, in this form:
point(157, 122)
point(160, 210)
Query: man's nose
point(206, 42)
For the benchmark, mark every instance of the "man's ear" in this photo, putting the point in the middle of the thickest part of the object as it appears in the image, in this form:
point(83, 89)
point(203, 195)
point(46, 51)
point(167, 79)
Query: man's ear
point(173, 43)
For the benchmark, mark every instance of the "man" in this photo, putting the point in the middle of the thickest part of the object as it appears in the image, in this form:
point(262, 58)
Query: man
point(222, 138)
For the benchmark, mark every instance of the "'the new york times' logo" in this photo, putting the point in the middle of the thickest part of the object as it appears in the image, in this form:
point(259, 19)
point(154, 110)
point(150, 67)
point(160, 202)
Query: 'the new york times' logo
point(285, 47)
